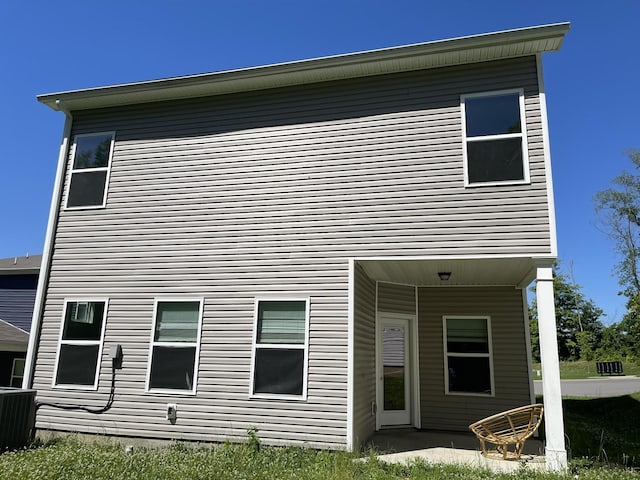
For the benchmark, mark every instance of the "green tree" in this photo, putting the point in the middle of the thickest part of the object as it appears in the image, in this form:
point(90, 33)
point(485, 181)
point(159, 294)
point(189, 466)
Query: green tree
point(618, 208)
point(579, 328)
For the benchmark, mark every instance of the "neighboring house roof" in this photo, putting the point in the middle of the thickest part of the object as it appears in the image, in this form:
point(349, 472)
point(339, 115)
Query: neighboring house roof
point(20, 265)
point(441, 53)
point(10, 334)
point(18, 285)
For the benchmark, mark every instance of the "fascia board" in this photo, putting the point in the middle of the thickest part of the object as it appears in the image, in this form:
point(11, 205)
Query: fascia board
point(456, 51)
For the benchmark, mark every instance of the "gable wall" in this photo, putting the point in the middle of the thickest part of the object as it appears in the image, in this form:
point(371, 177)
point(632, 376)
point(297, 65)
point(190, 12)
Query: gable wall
point(268, 193)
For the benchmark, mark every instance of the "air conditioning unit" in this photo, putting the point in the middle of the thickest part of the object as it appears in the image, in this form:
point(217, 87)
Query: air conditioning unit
point(17, 416)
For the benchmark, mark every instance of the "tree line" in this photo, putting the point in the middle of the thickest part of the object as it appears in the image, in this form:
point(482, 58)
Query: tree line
point(582, 335)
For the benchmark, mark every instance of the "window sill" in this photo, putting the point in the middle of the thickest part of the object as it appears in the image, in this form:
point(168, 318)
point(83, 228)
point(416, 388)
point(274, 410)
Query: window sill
point(470, 394)
point(167, 391)
point(88, 207)
point(274, 396)
point(497, 183)
point(86, 388)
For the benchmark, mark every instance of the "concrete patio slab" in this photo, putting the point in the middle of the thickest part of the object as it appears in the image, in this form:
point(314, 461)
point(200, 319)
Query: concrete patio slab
point(470, 458)
point(458, 448)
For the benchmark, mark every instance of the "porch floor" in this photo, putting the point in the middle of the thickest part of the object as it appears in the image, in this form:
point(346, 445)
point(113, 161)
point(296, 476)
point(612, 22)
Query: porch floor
point(433, 446)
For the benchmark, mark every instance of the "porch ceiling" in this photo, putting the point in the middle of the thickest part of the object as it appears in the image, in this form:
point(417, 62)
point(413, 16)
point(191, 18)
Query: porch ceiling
point(479, 271)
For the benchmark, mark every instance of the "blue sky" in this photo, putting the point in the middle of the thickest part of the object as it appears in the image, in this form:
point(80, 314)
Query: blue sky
point(592, 85)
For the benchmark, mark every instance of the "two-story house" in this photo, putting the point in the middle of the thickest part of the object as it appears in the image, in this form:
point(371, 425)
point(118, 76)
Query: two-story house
point(317, 249)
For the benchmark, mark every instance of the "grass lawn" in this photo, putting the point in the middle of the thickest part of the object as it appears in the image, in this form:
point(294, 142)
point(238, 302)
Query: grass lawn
point(604, 429)
point(68, 459)
point(600, 431)
point(583, 369)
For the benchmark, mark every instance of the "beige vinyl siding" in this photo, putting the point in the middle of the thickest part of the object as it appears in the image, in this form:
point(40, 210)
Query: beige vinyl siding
point(221, 409)
point(269, 193)
point(396, 298)
point(364, 419)
point(505, 307)
point(358, 168)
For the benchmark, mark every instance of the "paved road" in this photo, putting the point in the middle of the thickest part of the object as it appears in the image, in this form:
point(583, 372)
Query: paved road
point(596, 387)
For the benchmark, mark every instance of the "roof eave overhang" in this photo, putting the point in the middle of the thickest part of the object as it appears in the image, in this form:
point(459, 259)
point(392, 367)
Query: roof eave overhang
point(456, 51)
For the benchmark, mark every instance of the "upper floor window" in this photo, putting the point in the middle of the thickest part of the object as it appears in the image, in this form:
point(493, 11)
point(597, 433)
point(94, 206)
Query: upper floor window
point(90, 170)
point(80, 346)
point(495, 138)
point(280, 349)
point(175, 345)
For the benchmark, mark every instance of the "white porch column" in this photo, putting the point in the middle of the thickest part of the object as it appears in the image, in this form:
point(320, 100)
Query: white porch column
point(555, 452)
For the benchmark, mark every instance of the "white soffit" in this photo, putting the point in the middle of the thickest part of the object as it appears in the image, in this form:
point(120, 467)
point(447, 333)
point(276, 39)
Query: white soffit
point(518, 272)
point(441, 53)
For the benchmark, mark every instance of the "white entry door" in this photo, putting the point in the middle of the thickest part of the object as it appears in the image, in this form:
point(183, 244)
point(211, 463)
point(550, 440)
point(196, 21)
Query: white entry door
point(394, 370)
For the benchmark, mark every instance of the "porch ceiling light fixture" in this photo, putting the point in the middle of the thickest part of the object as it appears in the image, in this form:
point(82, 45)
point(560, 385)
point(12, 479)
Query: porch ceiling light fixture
point(444, 276)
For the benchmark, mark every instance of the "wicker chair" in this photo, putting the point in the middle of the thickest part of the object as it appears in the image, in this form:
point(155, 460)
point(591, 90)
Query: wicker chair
point(512, 427)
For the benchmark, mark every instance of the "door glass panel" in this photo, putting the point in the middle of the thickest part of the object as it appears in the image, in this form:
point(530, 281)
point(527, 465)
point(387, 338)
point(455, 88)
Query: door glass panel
point(394, 367)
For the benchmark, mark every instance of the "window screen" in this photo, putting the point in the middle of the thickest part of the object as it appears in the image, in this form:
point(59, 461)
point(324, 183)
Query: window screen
point(80, 343)
point(89, 171)
point(468, 355)
point(495, 141)
point(280, 350)
point(175, 345)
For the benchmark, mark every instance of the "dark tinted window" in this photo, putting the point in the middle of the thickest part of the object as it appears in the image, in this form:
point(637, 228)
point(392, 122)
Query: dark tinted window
point(172, 367)
point(469, 374)
point(92, 151)
point(87, 189)
point(492, 115)
point(77, 364)
point(279, 371)
point(495, 160)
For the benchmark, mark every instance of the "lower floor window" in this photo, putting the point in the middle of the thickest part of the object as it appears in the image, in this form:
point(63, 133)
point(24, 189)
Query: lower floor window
point(280, 352)
point(80, 345)
point(175, 345)
point(467, 346)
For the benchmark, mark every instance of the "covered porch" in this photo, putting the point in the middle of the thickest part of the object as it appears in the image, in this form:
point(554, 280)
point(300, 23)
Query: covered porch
point(439, 343)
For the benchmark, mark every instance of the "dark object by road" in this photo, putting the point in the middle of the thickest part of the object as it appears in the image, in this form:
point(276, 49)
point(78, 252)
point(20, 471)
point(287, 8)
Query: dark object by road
point(609, 368)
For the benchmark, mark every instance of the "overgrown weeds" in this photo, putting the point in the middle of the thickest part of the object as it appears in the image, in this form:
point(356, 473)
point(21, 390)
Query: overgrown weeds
point(68, 458)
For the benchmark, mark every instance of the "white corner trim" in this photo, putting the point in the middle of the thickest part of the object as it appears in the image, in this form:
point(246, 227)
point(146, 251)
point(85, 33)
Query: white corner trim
point(351, 357)
point(544, 121)
point(43, 278)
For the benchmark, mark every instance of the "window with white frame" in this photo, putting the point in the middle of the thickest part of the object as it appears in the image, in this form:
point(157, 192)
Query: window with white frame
point(468, 361)
point(90, 170)
point(17, 372)
point(494, 127)
point(80, 346)
point(280, 348)
point(175, 345)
